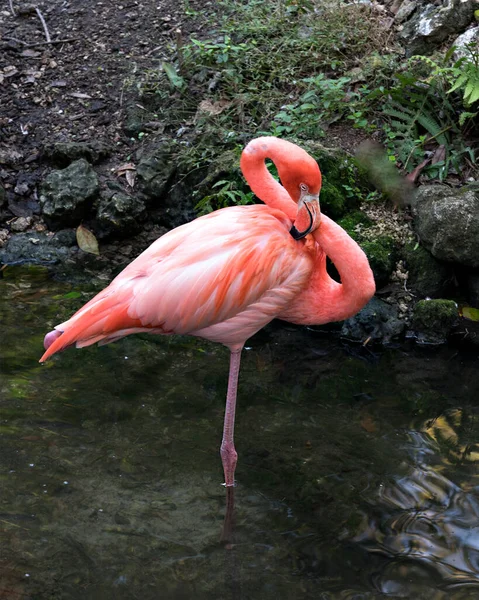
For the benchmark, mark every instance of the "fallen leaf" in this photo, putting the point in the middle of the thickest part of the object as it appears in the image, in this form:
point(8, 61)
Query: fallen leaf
point(414, 174)
point(213, 108)
point(175, 79)
point(469, 313)
point(86, 240)
point(10, 71)
point(439, 155)
point(80, 95)
point(130, 178)
point(122, 169)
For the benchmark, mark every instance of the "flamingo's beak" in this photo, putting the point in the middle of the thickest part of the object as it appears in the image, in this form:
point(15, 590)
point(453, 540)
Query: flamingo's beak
point(308, 218)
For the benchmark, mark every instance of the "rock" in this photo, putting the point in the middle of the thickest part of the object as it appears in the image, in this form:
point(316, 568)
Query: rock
point(433, 320)
point(471, 36)
point(431, 24)
point(377, 320)
point(21, 224)
point(66, 195)
point(155, 172)
point(427, 276)
point(37, 248)
point(120, 215)
point(3, 196)
point(382, 256)
point(64, 153)
point(405, 10)
point(447, 222)
point(473, 289)
point(3, 237)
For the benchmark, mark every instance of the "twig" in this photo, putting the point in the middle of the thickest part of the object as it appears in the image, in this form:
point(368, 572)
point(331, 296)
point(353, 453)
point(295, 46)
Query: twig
point(50, 43)
point(45, 28)
point(11, 8)
point(179, 49)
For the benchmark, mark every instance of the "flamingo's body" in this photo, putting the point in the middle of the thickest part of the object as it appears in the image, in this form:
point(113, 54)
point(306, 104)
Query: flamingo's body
point(226, 275)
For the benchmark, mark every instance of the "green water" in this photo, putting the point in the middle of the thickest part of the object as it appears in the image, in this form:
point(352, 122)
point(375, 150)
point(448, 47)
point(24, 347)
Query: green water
point(357, 474)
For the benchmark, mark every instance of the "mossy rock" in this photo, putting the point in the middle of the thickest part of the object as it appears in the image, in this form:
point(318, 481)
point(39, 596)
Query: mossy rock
point(351, 221)
point(427, 275)
point(433, 320)
point(382, 256)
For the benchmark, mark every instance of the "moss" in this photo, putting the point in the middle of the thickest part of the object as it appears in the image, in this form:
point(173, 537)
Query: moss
point(382, 256)
point(351, 221)
point(427, 276)
point(433, 320)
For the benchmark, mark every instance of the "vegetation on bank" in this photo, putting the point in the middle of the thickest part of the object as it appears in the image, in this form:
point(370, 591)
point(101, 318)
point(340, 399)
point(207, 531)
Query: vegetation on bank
point(295, 68)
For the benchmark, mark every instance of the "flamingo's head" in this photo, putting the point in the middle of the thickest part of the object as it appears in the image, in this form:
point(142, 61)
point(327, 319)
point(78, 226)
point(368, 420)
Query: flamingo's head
point(302, 180)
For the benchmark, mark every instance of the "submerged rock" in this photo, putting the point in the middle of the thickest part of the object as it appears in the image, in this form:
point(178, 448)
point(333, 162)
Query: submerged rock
point(67, 194)
point(37, 248)
point(377, 321)
point(433, 320)
point(447, 223)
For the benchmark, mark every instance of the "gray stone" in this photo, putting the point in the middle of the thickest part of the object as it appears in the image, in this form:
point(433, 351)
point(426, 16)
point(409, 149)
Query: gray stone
point(64, 153)
point(427, 276)
point(3, 196)
point(447, 222)
point(4, 233)
point(471, 36)
point(120, 215)
point(431, 24)
point(21, 223)
point(155, 172)
point(405, 10)
point(66, 195)
point(34, 248)
point(377, 321)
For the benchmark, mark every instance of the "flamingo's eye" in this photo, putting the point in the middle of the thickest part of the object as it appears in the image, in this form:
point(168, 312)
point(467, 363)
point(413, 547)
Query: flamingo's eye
point(303, 187)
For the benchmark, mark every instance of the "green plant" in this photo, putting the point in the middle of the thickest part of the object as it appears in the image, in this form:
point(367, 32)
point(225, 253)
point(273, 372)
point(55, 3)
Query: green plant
point(228, 194)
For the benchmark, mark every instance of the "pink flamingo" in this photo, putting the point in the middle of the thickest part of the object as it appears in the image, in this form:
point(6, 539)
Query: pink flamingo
point(226, 275)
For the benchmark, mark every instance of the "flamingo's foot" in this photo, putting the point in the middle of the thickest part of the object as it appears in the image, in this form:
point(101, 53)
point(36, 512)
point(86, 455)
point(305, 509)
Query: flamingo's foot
point(229, 458)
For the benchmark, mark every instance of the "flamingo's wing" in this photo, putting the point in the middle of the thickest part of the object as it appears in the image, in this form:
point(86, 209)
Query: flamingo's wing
point(197, 275)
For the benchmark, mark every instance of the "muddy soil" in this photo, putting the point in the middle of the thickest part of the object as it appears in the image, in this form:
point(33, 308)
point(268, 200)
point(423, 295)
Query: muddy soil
point(76, 88)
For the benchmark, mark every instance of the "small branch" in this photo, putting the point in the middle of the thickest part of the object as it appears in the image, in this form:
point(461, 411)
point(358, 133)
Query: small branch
point(53, 42)
point(179, 49)
point(50, 43)
point(11, 8)
point(45, 28)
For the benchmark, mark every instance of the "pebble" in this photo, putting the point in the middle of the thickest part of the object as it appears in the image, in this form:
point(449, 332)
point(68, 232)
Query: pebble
point(21, 224)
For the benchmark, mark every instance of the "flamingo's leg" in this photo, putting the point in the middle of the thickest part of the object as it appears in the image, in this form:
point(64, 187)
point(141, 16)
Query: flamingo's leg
point(228, 453)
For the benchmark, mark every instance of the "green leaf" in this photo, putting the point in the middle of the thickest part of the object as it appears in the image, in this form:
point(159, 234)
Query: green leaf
point(72, 295)
point(174, 78)
point(86, 240)
point(470, 313)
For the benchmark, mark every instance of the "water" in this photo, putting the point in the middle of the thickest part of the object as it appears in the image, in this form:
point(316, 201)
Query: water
point(357, 474)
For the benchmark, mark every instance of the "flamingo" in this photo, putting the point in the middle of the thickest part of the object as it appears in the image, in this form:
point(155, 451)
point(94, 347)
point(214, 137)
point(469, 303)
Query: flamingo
point(226, 275)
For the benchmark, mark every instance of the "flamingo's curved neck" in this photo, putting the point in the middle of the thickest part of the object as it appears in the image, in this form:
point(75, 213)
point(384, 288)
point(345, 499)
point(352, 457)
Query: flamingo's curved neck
point(340, 301)
point(260, 179)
